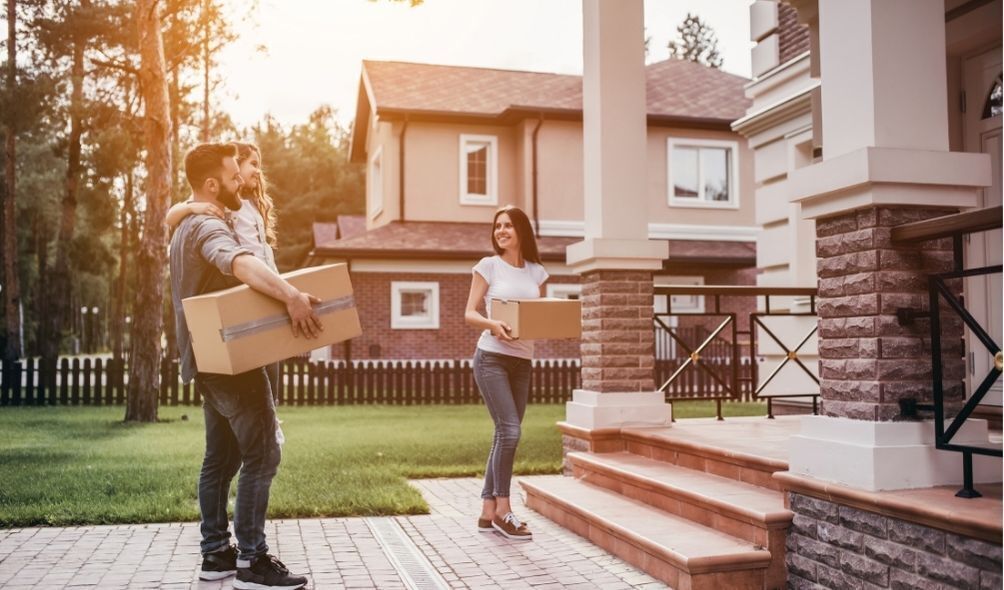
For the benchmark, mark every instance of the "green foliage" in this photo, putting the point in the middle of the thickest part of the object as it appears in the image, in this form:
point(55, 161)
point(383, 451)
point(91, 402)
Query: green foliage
point(310, 179)
point(697, 42)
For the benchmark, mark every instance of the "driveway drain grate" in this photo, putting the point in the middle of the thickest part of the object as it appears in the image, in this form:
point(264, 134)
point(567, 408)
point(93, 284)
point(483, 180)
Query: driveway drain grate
point(415, 570)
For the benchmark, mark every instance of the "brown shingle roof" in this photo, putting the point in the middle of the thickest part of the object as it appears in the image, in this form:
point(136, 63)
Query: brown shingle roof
point(674, 88)
point(679, 93)
point(442, 240)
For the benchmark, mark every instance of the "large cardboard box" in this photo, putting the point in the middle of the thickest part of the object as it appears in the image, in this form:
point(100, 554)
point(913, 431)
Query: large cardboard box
point(540, 319)
point(239, 329)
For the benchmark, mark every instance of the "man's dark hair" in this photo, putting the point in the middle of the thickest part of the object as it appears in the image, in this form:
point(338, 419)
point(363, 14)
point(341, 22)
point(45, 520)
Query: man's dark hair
point(205, 161)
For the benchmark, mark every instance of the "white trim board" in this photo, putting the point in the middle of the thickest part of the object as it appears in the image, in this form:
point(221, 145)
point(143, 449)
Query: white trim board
point(661, 231)
point(464, 267)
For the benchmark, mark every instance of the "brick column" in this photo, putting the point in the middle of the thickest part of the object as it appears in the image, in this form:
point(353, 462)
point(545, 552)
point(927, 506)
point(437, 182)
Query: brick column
point(868, 359)
point(618, 342)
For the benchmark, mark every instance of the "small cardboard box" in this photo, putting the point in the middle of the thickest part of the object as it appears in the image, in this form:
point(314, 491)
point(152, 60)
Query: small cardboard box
point(239, 329)
point(540, 319)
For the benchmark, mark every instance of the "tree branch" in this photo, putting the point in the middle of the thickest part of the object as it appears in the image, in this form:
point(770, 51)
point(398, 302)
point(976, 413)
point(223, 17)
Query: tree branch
point(115, 66)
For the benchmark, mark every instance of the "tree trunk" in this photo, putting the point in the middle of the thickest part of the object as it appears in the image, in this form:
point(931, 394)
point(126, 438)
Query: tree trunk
point(120, 311)
point(205, 71)
point(62, 285)
point(42, 304)
point(11, 282)
point(175, 95)
point(151, 256)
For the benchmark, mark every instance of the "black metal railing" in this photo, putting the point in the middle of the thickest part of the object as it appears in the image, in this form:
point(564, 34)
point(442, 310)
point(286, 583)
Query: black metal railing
point(939, 289)
point(719, 362)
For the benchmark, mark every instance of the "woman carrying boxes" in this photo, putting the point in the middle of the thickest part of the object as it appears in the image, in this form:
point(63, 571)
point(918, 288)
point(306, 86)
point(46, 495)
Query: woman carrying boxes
point(502, 364)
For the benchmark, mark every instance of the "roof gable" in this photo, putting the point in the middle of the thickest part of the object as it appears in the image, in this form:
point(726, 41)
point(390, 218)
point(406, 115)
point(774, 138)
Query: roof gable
point(680, 91)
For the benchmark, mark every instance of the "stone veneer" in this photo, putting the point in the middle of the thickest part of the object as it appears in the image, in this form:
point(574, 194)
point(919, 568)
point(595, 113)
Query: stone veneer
point(835, 546)
point(868, 361)
point(618, 342)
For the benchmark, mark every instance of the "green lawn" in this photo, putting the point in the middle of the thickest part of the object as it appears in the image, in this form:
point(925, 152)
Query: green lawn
point(63, 466)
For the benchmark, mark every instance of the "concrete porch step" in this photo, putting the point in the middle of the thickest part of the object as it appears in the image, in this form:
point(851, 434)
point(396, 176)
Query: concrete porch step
point(743, 510)
point(695, 495)
point(731, 449)
point(680, 552)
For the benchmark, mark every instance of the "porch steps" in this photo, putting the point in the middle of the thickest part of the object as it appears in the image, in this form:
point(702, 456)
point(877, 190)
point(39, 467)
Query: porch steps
point(745, 511)
point(661, 445)
point(657, 497)
point(678, 551)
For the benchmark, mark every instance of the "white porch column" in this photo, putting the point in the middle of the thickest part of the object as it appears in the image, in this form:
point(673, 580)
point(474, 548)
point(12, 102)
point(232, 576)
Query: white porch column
point(885, 162)
point(616, 258)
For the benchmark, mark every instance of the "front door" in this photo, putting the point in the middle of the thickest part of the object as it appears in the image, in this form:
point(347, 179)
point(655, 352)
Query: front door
point(982, 132)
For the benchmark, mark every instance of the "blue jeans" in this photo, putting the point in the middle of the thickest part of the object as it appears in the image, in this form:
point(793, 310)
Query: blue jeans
point(504, 382)
point(240, 434)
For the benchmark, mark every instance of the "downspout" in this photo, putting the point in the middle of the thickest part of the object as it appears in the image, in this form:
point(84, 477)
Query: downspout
point(536, 220)
point(400, 175)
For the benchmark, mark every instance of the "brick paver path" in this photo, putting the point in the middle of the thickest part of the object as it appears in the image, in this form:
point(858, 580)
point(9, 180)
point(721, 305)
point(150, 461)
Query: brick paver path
point(435, 551)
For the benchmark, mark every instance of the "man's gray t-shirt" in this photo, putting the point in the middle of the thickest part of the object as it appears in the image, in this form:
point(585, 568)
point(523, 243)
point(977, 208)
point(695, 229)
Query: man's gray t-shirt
point(202, 252)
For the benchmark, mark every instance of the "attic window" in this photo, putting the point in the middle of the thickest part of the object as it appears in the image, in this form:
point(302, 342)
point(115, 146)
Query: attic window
point(478, 170)
point(992, 107)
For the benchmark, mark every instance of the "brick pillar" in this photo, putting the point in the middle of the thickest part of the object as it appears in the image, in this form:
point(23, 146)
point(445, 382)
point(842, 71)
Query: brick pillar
point(868, 360)
point(618, 342)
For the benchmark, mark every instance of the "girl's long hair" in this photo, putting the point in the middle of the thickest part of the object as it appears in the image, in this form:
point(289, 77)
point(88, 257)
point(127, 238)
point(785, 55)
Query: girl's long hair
point(521, 223)
point(259, 194)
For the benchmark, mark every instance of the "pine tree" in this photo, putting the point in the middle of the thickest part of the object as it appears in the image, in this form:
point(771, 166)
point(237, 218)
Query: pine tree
point(697, 43)
point(151, 255)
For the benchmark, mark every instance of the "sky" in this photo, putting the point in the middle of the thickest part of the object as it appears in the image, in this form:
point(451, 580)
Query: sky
point(315, 48)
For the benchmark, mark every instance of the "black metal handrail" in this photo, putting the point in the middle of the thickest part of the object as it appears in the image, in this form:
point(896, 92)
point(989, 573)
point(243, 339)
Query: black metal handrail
point(732, 386)
point(955, 226)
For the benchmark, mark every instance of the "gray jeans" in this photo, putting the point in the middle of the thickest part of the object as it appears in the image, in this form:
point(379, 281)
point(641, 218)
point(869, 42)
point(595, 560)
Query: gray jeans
point(504, 382)
point(240, 434)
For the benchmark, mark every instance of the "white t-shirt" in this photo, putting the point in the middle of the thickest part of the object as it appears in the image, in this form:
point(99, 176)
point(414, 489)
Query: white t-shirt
point(509, 282)
point(250, 229)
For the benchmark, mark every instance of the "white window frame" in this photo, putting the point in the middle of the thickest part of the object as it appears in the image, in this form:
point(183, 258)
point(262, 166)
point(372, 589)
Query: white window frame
point(492, 184)
point(563, 290)
point(399, 322)
point(375, 185)
point(680, 303)
point(700, 202)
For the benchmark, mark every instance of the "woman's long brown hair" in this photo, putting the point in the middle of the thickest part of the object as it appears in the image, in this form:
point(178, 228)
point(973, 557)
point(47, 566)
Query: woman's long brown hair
point(262, 201)
point(521, 223)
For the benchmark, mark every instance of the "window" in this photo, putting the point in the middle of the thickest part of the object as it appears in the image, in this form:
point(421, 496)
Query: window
point(376, 183)
point(679, 303)
point(992, 106)
point(478, 170)
point(702, 173)
point(564, 290)
point(414, 306)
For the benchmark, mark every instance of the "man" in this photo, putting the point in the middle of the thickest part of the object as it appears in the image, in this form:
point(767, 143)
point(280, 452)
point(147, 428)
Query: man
point(241, 430)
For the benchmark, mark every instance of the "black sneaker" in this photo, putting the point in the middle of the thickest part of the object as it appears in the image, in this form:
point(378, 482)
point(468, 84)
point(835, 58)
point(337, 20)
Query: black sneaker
point(219, 564)
point(267, 573)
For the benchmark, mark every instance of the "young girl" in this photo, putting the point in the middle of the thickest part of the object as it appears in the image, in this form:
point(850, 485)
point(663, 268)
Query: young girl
point(502, 364)
point(254, 222)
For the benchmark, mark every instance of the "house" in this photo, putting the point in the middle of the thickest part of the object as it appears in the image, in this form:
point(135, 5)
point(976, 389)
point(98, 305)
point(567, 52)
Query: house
point(445, 146)
point(876, 129)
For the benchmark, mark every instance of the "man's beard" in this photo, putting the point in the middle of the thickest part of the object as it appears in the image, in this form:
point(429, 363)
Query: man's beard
point(229, 198)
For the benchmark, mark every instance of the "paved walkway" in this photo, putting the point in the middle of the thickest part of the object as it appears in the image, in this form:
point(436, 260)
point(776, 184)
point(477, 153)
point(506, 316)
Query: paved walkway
point(441, 550)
